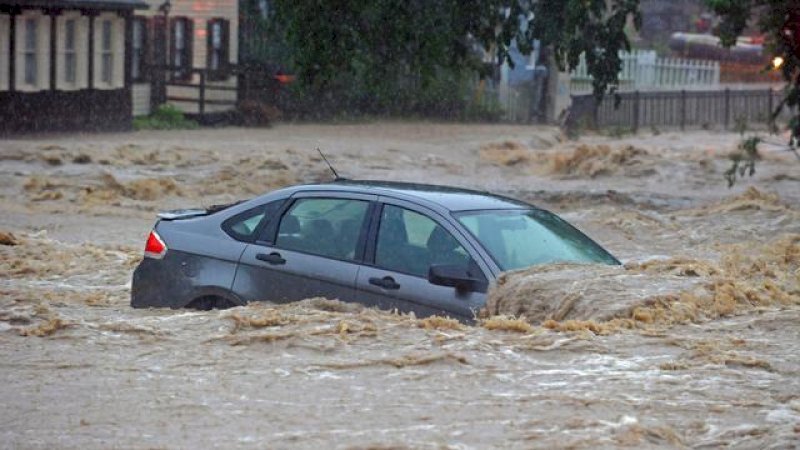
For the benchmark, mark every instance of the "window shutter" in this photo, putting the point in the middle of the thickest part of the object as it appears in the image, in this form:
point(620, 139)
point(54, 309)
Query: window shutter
point(209, 42)
point(146, 60)
point(149, 40)
point(188, 43)
point(172, 44)
point(226, 45)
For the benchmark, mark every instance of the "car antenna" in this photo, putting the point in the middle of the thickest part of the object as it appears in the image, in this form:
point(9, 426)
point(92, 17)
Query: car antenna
point(336, 176)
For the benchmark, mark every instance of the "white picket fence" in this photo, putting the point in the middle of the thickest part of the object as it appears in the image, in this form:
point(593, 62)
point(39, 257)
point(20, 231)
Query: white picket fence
point(643, 70)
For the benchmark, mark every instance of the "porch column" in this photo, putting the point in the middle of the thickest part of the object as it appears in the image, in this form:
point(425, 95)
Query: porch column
point(12, 50)
point(128, 56)
point(90, 51)
point(53, 14)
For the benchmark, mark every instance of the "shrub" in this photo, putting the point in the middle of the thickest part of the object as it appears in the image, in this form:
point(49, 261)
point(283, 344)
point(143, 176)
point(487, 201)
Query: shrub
point(255, 113)
point(166, 117)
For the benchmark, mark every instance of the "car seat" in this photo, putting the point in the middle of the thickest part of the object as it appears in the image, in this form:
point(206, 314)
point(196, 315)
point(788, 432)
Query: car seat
point(289, 231)
point(392, 249)
point(320, 238)
point(347, 238)
point(442, 248)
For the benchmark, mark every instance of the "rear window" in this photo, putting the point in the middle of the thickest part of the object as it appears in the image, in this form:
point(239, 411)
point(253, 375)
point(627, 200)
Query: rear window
point(246, 225)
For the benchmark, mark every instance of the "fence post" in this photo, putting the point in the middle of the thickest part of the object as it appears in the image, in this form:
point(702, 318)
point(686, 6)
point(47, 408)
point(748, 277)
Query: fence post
point(683, 109)
point(202, 102)
point(727, 106)
point(770, 105)
point(636, 111)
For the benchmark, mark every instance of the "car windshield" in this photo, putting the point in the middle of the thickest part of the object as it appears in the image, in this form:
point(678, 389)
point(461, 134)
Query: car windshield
point(523, 238)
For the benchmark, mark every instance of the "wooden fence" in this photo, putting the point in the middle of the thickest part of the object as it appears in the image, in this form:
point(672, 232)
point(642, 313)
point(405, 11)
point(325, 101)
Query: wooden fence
point(674, 109)
point(204, 95)
point(643, 70)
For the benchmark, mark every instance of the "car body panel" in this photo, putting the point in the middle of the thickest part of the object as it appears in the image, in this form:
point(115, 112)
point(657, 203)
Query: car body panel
point(203, 259)
point(416, 293)
point(302, 275)
point(180, 278)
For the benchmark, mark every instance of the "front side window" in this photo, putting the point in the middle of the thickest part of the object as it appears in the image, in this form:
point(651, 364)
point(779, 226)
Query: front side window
point(521, 238)
point(329, 227)
point(31, 44)
point(411, 243)
point(107, 52)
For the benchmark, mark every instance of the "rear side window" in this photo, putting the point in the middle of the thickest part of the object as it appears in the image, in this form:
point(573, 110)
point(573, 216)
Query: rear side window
point(246, 225)
point(328, 227)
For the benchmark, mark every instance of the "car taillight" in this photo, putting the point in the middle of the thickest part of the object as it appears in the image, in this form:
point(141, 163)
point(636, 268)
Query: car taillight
point(155, 247)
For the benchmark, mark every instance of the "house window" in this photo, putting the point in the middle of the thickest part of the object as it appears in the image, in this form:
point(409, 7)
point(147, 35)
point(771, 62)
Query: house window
point(139, 45)
point(30, 56)
point(181, 45)
point(107, 52)
point(5, 55)
point(32, 51)
point(70, 54)
point(71, 50)
point(218, 43)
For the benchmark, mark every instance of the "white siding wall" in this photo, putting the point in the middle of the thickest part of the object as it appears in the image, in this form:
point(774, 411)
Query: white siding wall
point(5, 58)
point(81, 51)
point(42, 51)
point(141, 99)
point(201, 12)
point(118, 51)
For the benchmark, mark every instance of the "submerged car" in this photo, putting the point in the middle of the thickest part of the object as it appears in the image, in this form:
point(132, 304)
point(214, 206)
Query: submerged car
point(411, 247)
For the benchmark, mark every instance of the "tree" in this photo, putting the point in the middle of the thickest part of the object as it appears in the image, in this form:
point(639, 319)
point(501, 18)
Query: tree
point(779, 21)
point(404, 56)
point(410, 56)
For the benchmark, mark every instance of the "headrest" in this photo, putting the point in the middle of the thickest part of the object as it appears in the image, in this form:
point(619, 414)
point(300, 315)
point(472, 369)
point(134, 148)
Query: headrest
point(321, 227)
point(289, 225)
point(440, 241)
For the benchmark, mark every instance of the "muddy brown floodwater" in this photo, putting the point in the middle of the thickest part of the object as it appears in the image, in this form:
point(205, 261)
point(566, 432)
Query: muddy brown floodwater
point(693, 343)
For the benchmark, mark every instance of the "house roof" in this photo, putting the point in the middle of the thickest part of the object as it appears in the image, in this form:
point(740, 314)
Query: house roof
point(86, 4)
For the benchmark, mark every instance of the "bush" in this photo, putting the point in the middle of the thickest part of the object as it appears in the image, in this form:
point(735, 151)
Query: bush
point(255, 113)
point(166, 117)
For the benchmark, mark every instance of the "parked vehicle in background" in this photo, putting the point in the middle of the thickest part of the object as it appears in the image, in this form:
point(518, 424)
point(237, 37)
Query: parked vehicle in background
point(411, 247)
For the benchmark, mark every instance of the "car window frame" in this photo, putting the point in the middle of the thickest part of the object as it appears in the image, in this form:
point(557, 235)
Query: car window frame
point(269, 234)
point(438, 219)
point(227, 224)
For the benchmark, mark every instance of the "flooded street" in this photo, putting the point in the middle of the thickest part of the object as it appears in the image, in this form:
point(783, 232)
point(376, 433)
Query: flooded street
point(693, 343)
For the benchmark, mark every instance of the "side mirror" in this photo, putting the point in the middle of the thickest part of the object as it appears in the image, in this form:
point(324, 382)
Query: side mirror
point(452, 276)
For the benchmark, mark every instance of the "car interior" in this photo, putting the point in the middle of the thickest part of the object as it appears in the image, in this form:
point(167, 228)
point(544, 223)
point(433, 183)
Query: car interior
point(397, 251)
point(332, 232)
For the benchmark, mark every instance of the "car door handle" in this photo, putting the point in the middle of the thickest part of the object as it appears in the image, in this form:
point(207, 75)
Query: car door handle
point(385, 282)
point(273, 258)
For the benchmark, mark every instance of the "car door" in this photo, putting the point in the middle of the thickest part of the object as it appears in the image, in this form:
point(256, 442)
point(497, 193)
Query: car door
point(313, 250)
point(404, 241)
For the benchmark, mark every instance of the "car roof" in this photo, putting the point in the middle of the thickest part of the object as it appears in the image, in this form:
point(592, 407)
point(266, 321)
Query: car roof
point(447, 197)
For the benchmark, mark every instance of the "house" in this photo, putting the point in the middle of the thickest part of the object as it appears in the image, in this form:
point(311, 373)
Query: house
point(65, 64)
point(184, 52)
point(69, 65)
